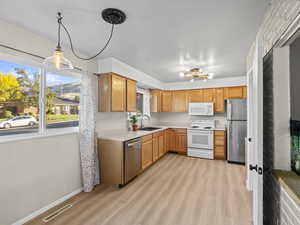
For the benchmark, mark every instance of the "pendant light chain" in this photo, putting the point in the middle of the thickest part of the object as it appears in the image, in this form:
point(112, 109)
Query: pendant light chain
point(60, 24)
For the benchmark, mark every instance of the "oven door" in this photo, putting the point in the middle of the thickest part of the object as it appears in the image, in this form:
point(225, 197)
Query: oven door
point(200, 139)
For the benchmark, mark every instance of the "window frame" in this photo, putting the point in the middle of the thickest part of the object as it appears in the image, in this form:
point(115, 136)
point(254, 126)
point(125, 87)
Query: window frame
point(42, 128)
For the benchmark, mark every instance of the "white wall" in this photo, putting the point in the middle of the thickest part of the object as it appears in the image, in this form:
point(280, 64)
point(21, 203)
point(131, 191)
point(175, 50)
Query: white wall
point(281, 71)
point(35, 173)
point(113, 65)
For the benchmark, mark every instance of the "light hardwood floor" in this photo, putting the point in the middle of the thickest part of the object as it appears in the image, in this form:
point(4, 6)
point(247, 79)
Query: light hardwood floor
point(177, 190)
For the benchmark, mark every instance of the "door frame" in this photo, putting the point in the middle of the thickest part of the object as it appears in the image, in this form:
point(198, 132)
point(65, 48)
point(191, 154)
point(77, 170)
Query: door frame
point(257, 132)
point(257, 71)
point(250, 130)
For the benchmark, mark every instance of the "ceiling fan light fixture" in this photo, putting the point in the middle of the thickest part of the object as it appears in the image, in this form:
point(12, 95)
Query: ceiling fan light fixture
point(196, 74)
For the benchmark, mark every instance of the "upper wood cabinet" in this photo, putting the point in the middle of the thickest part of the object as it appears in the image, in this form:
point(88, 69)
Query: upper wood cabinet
point(177, 101)
point(116, 93)
point(131, 95)
point(219, 101)
point(208, 95)
point(180, 101)
point(195, 96)
point(155, 101)
point(234, 92)
point(166, 98)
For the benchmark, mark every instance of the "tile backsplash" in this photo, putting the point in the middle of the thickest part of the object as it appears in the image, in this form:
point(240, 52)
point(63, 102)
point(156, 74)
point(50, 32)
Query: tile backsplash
point(118, 120)
point(185, 119)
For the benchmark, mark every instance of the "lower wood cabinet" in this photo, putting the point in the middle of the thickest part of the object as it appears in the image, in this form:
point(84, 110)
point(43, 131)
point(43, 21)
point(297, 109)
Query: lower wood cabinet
point(177, 140)
point(155, 149)
point(220, 150)
point(161, 145)
point(147, 152)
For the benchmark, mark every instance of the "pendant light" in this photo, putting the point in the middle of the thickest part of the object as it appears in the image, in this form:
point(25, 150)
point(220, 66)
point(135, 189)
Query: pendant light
point(59, 62)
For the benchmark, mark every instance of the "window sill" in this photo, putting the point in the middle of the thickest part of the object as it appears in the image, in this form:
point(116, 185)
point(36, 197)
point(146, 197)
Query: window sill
point(49, 133)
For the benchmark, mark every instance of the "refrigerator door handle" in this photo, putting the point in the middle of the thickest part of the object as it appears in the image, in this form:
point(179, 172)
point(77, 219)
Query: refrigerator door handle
point(228, 110)
point(229, 139)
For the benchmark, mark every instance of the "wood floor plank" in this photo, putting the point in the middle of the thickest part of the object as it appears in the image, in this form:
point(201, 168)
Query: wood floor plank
point(176, 190)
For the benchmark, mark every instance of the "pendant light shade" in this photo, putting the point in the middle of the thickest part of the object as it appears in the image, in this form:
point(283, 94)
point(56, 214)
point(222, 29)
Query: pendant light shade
point(58, 61)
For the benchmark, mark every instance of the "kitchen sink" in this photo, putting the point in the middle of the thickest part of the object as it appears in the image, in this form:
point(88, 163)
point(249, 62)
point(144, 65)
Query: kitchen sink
point(150, 128)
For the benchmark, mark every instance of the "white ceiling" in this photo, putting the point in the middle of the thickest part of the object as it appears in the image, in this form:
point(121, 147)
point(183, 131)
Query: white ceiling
point(160, 37)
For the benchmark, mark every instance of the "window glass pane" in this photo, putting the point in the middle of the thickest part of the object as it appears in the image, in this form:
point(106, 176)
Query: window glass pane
point(62, 101)
point(19, 98)
point(140, 103)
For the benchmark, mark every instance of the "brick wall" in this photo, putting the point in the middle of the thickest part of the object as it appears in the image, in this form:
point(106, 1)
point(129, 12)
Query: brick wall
point(277, 19)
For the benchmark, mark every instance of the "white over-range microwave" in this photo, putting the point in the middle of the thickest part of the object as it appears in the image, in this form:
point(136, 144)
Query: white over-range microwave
point(201, 109)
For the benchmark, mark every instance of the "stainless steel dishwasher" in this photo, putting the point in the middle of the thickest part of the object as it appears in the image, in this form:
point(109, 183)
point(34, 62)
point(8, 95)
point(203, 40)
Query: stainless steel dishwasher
point(133, 159)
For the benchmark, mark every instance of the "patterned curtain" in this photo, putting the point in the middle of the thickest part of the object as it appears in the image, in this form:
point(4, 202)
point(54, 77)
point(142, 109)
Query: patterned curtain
point(88, 137)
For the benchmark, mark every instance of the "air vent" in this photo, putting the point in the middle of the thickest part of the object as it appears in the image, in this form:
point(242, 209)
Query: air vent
point(56, 213)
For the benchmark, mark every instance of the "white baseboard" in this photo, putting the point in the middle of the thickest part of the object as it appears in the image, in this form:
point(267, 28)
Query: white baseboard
point(44, 209)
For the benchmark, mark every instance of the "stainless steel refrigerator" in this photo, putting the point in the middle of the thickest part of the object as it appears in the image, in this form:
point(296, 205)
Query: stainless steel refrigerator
point(237, 130)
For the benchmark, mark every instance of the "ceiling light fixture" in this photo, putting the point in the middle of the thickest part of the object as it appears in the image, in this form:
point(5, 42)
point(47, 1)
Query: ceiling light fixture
point(59, 62)
point(196, 74)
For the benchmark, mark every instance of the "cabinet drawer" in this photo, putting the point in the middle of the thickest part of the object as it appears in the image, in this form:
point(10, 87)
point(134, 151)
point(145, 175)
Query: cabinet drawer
point(157, 134)
point(180, 130)
point(219, 149)
point(219, 133)
point(220, 140)
point(219, 152)
point(147, 137)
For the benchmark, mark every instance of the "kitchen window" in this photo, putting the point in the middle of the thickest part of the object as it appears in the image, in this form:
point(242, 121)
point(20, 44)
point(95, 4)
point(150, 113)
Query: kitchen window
point(34, 102)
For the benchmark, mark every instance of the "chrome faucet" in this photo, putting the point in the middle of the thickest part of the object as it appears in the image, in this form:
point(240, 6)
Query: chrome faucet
point(142, 118)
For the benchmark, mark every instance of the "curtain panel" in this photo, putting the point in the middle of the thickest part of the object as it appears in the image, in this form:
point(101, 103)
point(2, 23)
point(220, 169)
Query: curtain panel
point(87, 132)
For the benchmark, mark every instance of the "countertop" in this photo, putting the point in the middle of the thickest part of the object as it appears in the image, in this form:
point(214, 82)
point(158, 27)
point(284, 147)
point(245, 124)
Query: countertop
point(291, 183)
point(124, 135)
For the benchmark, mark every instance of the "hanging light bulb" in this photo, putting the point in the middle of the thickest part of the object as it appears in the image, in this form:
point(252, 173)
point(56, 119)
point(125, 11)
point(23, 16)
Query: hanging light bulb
point(57, 60)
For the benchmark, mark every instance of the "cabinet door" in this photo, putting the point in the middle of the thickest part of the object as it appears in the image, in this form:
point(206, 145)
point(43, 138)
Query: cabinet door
point(195, 96)
point(234, 92)
point(165, 141)
point(181, 142)
point(155, 101)
point(118, 93)
point(179, 99)
point(131, 95)
point(219, 101)
point(166, 101)
point(155, 149)
point(147, 154)
point(208, 95)
point(171, 140)
point(220, 145)
point(161, 149)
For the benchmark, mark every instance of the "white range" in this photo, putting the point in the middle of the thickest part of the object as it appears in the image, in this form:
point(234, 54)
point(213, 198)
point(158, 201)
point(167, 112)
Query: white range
point(201, 139)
